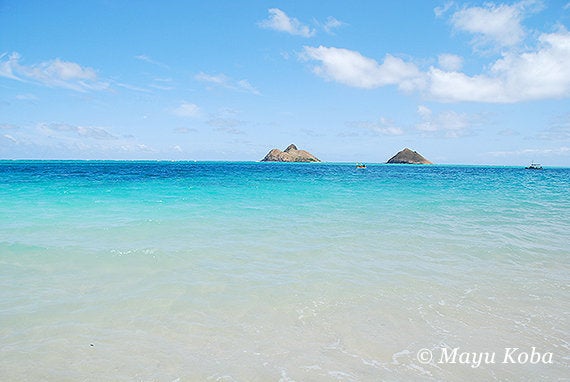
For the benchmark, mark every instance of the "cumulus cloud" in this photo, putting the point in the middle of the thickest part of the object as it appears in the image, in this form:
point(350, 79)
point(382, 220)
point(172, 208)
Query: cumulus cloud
point(450, 62)
point(542, 72)
point(494, 25)
point(279, 21)
point(224, 81)
point(53, 73)
point(353, 69)
point(456, 87)
point(187, 109)
point(490, 24)
point(539, 74)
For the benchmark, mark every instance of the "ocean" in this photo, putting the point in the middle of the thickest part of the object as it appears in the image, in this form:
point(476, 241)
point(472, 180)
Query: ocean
point(243, 271)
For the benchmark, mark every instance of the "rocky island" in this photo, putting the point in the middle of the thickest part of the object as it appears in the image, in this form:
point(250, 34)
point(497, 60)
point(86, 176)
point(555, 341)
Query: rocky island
point(407, 156)
point(291, 154)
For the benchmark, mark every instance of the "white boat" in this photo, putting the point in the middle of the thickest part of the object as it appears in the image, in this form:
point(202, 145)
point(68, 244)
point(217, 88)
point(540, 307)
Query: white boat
point(534, 166)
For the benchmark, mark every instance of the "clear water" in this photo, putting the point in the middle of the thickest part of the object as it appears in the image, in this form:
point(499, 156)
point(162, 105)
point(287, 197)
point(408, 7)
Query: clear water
point(159, 271)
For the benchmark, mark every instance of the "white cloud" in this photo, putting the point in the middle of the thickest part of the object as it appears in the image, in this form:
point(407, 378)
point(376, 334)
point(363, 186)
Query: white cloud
point(62, 140)
point(133, 88)
point(279, 21)
point(10, 138)
point(227, 82)
point(544, 73)
point(449, 124)
point(148, 59)
point(81, 131)
point(440, 11)
point(494, 25)
point(187, 109)
point(539, 73)
point(9, 65)
point(53, 73)
point(450, 62)
point(220, 79)
point(331, 24)
point(457, 87)
point(245, 86)
point(424, 112)
point(353, 69)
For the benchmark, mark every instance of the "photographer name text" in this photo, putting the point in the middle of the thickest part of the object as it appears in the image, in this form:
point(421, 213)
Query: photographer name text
point(512, 355)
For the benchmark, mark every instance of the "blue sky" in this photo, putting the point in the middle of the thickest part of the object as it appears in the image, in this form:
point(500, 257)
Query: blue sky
point(460, 82)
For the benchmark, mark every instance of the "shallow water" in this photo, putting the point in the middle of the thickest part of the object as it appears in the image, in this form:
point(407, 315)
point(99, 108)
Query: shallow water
point(175, 271)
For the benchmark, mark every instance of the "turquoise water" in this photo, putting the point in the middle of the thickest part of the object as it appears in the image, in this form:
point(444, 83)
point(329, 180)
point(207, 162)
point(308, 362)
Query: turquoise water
point(183, 271)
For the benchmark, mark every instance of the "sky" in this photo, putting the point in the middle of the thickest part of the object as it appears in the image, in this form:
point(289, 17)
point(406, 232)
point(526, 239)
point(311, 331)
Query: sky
point(476, 82)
